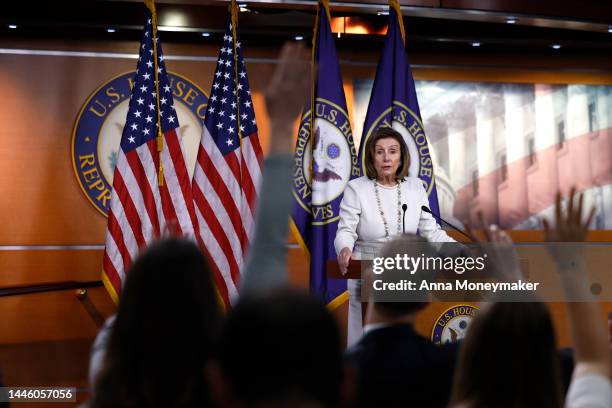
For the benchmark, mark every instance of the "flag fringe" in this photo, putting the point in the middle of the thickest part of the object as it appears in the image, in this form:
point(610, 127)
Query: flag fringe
point(110, 288)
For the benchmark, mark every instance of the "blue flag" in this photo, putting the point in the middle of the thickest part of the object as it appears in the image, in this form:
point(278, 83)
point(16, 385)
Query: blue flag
point(325, 160)
point(394, 103)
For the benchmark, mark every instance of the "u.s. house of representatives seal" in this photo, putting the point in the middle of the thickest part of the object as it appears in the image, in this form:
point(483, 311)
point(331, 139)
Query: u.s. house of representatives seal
point(335, 161)
point(453, 323)
point(408, 124)
point(99, 125)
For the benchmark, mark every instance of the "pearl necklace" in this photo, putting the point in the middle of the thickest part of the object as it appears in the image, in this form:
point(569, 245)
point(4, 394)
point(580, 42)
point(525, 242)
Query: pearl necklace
point(382, 213)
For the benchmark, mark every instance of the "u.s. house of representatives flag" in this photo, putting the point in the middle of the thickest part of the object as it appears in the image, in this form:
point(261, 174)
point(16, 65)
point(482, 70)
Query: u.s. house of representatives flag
point(151, 189)
point(394, 103)
point(228, 167)
point(325, 160)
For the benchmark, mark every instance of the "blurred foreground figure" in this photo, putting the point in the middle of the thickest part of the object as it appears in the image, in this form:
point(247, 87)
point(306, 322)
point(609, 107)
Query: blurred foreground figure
point(397, 367)
point(164, 332)
point(280, 349)
point(508, 359)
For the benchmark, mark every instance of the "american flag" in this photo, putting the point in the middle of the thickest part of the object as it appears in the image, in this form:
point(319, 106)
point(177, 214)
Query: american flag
point(228, 169)
point(141, 210)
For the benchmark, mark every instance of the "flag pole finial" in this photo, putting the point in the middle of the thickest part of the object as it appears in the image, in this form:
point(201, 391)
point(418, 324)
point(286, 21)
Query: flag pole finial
point(325, 4)
point(394, 4)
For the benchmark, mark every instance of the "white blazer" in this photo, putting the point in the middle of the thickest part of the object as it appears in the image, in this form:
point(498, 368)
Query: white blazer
point(361, 223)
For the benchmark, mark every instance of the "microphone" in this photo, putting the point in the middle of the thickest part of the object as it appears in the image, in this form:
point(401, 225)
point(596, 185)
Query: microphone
point(404, 208)
point(427, 210)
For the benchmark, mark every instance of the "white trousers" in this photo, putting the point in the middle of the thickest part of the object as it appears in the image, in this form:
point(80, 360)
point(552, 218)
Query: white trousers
point(355, 324)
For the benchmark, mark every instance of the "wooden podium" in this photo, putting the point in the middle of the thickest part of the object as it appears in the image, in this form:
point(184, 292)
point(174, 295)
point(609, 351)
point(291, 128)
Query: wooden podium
point(353, 272)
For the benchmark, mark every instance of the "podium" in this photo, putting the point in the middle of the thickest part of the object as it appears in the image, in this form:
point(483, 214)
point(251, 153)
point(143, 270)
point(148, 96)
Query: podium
point(353, 272)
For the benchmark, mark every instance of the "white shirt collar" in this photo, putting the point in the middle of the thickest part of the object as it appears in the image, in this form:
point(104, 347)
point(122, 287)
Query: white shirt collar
point(374, 326)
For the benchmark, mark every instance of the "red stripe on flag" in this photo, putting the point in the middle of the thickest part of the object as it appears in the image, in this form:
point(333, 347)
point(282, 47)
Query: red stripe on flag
point(114, 229)
point(234, 165)
point(224, 195)
point(144, 185)
point(131, 213)
point(217, 231)
point(176, 154)
point(111, 273)
point(248, 186)
point(256, 147)
point(172, 224)
point(216, 274)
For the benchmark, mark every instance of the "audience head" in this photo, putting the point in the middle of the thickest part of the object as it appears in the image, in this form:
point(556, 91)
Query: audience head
point(509, 359)
point(283, 349)
point(164, 333)
point(413, 246)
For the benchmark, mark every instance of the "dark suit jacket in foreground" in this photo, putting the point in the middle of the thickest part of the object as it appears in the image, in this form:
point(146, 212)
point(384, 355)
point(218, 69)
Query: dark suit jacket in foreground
point(399, 368)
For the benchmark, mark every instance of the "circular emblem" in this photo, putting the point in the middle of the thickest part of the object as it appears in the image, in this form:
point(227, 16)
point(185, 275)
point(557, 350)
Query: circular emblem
point(333, 151)
point(453, 324)
point(99, 125)
point(402, 119)
point(320, 182)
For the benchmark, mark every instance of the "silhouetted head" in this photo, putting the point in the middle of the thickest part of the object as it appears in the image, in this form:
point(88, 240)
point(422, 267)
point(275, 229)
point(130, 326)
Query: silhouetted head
point(509, 359)
point(282, 348)
point(410, 245)
point(164, 333)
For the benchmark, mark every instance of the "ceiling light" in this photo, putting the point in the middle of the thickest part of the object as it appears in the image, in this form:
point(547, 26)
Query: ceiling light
point(610, 28)
point(476, 44)
point(205, 34)
point(511, 20)
point(383, 13)
point(110, 30)
point(298, 38)
point(556, 46)
point(12, 26)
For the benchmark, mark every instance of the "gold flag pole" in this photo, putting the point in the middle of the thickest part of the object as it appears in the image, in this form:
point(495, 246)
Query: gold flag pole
point(313, 83)
point(160, 138)
point(396, 6)
point(234, 14)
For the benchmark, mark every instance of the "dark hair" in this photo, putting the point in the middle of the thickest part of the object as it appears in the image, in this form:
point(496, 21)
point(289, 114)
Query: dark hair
point(509, 359)
point(413, 246)
point(370, 150)
point(283, 347)
point(164, 333)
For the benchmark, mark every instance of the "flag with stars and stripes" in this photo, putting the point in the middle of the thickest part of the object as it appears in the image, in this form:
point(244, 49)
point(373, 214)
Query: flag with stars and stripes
point(151, 188)
point(228, 167)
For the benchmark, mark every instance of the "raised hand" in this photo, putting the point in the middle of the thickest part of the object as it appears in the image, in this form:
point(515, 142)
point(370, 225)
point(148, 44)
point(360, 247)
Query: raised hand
point(287, 92)
point(497, 244)
point(568, 225)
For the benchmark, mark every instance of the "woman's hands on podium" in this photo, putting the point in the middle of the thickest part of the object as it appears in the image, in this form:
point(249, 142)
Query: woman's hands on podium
point(344, 258)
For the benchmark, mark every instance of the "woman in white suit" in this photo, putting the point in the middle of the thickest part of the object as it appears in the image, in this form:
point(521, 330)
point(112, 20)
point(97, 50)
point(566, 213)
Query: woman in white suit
point(371, 210)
